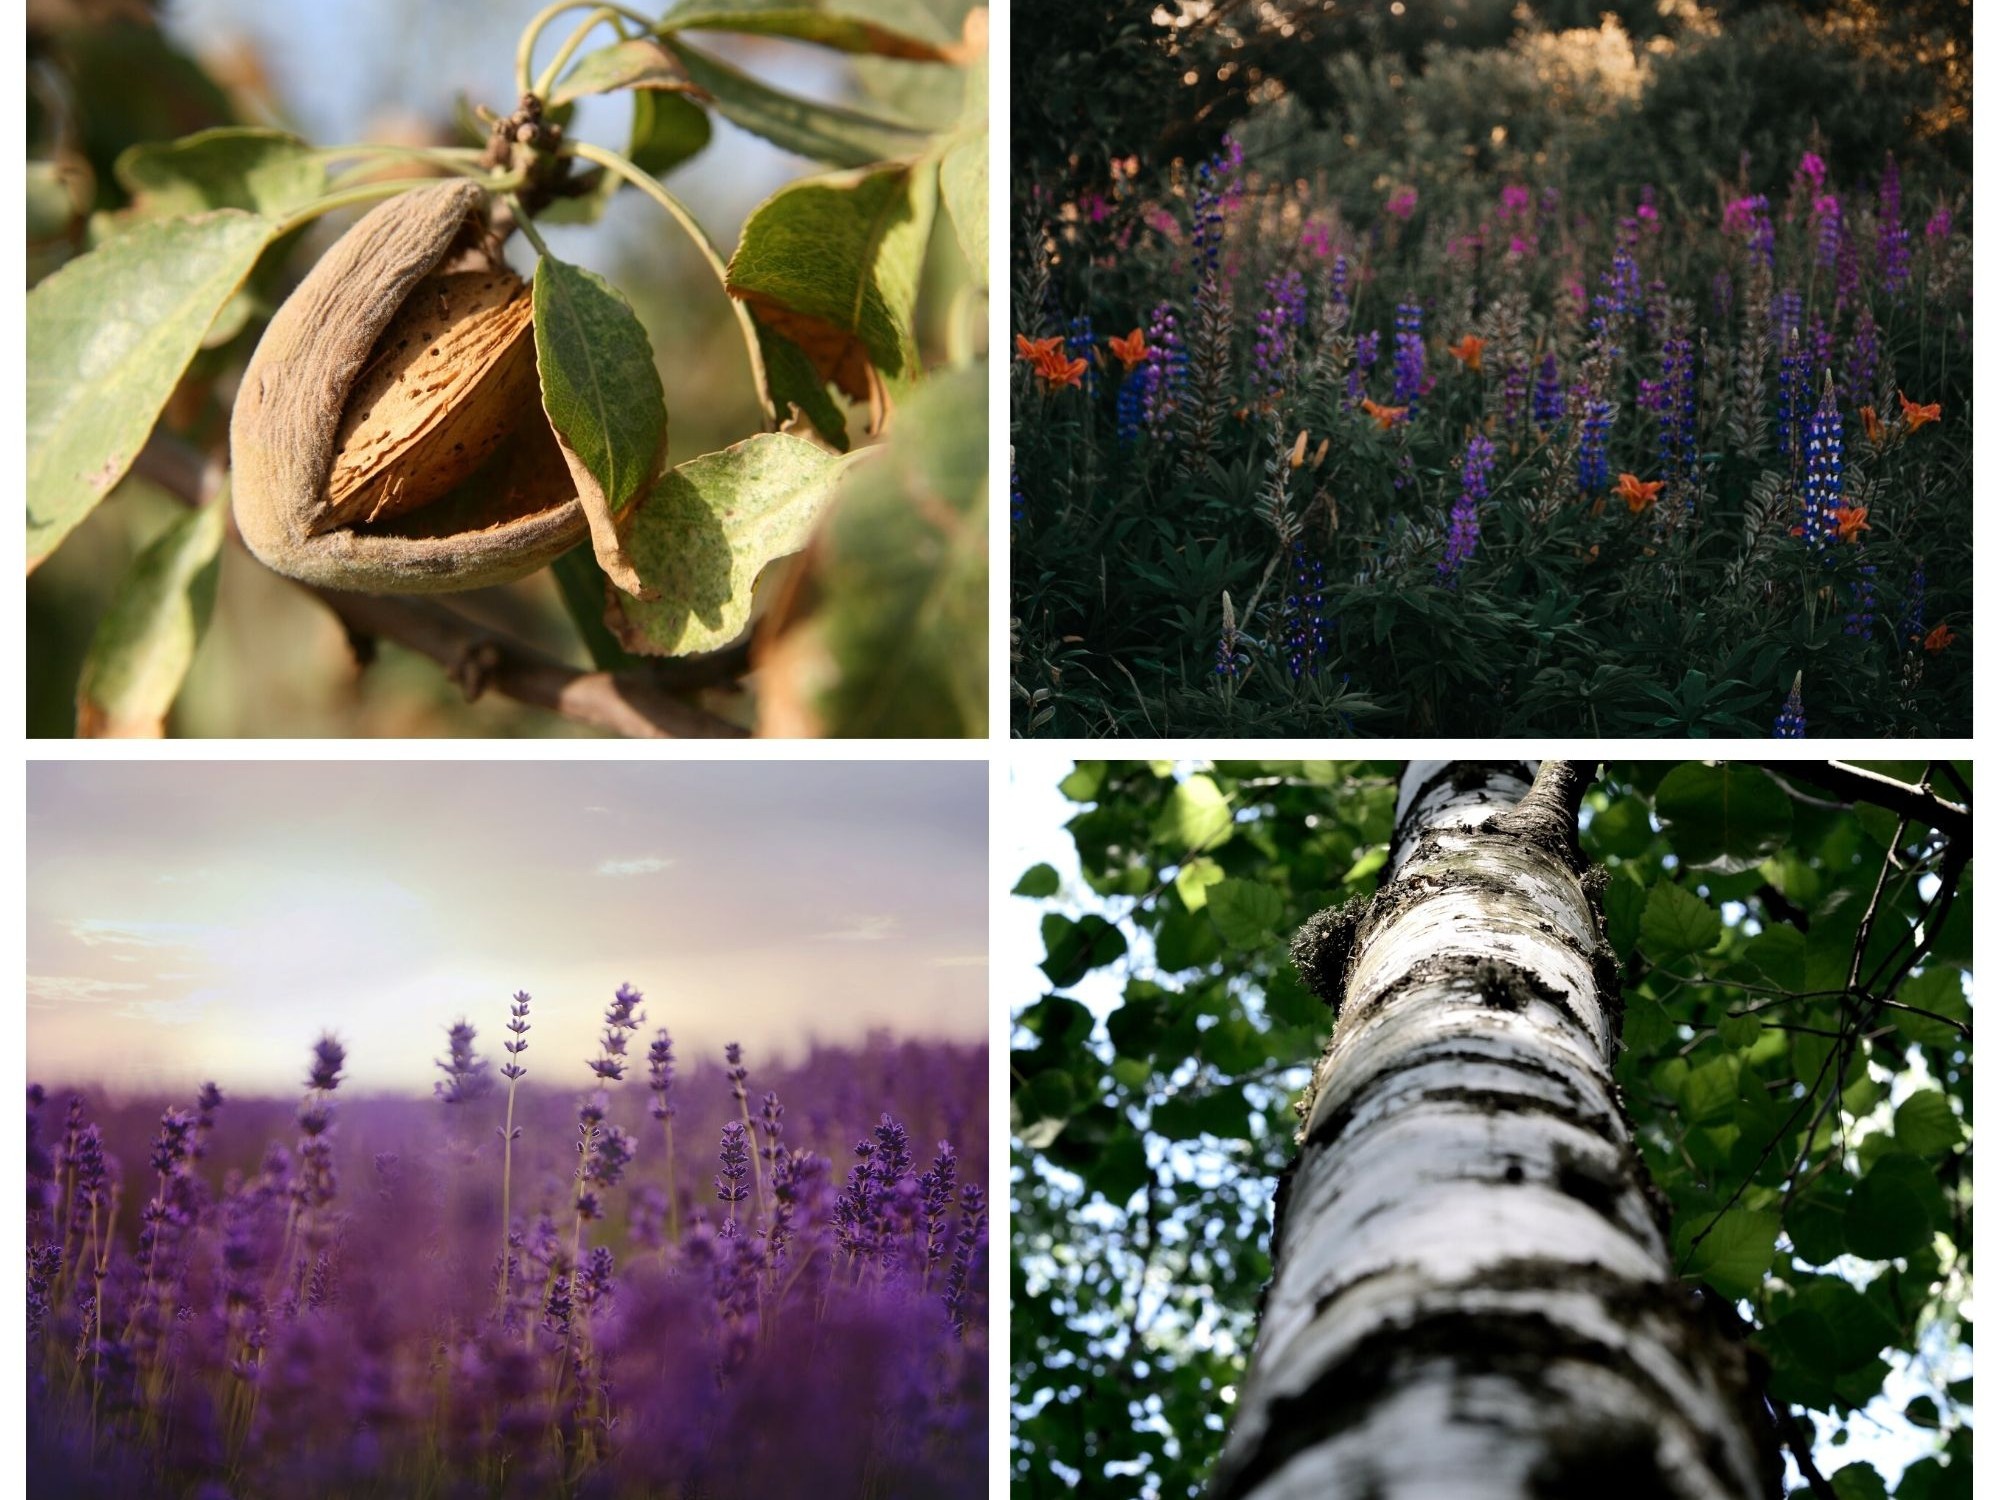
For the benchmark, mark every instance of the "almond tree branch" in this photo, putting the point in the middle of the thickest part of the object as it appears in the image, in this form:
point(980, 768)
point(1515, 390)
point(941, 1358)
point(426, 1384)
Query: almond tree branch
point(638, 704)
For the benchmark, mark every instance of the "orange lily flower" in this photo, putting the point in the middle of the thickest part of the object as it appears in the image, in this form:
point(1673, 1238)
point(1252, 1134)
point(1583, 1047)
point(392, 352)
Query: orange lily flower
point(1916, 414)
point(1060, 372)
point(1130, 349)
point(1468, 351)
point(1637, 494)
point(1035, 351)
point(1938, 639)
point(1385, 416)
point(1852, 521)
point(1871, 424)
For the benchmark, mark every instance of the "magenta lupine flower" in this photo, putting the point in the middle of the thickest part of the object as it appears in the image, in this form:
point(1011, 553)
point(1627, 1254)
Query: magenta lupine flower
point(1937, 228)
point(1317, 238)
point(1809, 176)
point(1751, 218)
point(1475, 485)
point(1823, 475)
point(1515, 201)
point(1791, 723)
point(1402, 204)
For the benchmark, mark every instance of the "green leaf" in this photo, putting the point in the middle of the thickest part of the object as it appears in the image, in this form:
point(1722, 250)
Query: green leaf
point(832, 263)
point(795, 385)
point(1245, 911)
point(1624, 903)
point(818, 132)
point(901, 569)
point(887, 28)
point(1038, 882)
point(1939, 990)
point(1075, 947)
point(1816, 1220)
point(108, 338)
point(583, 587)
point(1739, 1032)
point(1858, 1481)
point(962, 178)
point(1893, 1208)
point(1042, 1106)
point(708, 529)
point(1709, 1091)
point(1833, 1328)
point(667, 129)
point(261, 171)
point(1723, 817)
point(642, 63)
point(1624, 828)
point(1224, 1114)
point(1735, 1255)
point(1781, 953)
point(1195, 877)
point(1677, 921)
point(600, 387)
point(1925, 1124)
point(1196, 817)
point(145, 643)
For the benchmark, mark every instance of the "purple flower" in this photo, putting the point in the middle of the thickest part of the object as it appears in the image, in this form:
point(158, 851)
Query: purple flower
point(620, 1017)
point(1794, 392)
point(1937, 228)
point(1164, 372)
point(517, 1023)
point(1861, 619)
point(1548, 393)
point(732, 1183)
point(1826, 215)
point(1474, 487)
point(1305, 615)
point(1678, 447)
point(465, 1077)
point(1593, 471)
point(660, 1074)
point(1402, 204)
point(1410, 382)
point(1273, 356)
point(1892, 238)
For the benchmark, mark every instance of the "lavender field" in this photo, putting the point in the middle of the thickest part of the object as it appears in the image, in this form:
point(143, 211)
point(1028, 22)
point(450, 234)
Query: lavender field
point(635, 1274)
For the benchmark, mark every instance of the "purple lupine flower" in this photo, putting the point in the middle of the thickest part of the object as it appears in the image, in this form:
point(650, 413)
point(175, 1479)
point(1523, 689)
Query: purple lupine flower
point(1475, 486)
point(620, 1017)
point(1678, 447)
point(1338, 279)
point(1910, 623)
point(1410, 381)
point(1791, 723)
point(1272, 357)
point(1081, 343)
point(1513, 393)
point(1165, 370)
point(1305, 615)
point(1367, 350)
point(1823, 475)
point(1208, 217)
point(1863, 352)
point(1621, 296)
point(1847, 272)
point(1826, 218)
point(1861, 619)
point(1751, 218)
point(1548, 393)
point(517, 1023)
point(1892, 238)
point(1593, 463)
point(465, 1077)
point(1722, 296)
point(1788, 311)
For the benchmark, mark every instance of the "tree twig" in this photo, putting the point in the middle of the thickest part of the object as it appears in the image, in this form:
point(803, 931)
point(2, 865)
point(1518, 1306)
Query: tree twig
point(1853, 784)
point(638, 704)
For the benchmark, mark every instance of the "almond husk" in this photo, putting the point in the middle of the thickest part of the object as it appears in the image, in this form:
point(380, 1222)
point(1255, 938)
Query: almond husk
point(513, 513)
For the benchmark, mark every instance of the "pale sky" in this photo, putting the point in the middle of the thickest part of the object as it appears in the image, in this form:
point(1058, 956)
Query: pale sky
point(193, 920)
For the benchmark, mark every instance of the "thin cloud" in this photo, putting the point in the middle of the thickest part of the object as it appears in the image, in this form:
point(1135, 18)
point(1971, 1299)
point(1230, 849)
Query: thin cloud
point(110, 932)
point(862, 930)
point(76, 989)
point(960, 961)
point(650, 864)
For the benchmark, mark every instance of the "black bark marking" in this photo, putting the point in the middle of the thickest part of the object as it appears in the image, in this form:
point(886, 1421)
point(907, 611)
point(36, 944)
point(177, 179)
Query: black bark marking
point(1584, 1463)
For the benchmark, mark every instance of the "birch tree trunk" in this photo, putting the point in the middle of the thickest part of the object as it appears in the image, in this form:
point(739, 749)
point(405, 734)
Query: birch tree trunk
point(1473, 1293)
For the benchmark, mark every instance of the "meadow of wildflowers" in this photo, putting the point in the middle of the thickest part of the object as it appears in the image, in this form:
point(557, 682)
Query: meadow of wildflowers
point(616, 1277)
point(1548, 459)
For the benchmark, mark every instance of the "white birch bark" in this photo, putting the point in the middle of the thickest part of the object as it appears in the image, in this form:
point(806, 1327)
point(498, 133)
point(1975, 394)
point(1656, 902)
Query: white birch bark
point(1472, 1293)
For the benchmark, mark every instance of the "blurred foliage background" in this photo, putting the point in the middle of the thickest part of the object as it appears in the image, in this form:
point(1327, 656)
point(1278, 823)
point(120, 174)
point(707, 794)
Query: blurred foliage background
point(106, 74)
point(1438, 93)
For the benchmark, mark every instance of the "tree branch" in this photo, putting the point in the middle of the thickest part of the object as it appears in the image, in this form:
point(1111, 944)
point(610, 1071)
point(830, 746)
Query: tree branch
point(640, 705)
point(1852, 784)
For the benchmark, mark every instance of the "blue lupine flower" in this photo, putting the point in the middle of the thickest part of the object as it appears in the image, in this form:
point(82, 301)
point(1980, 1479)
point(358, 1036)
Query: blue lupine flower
point(1791, 723)
point(1861, 619)
point(1593, 470)
point(1082, 344)
point(1305, 615)
point(1823, 475)
point(1548, 393)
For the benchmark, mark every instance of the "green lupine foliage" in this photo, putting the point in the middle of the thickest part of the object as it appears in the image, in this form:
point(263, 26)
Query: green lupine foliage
point(1815, 1149)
